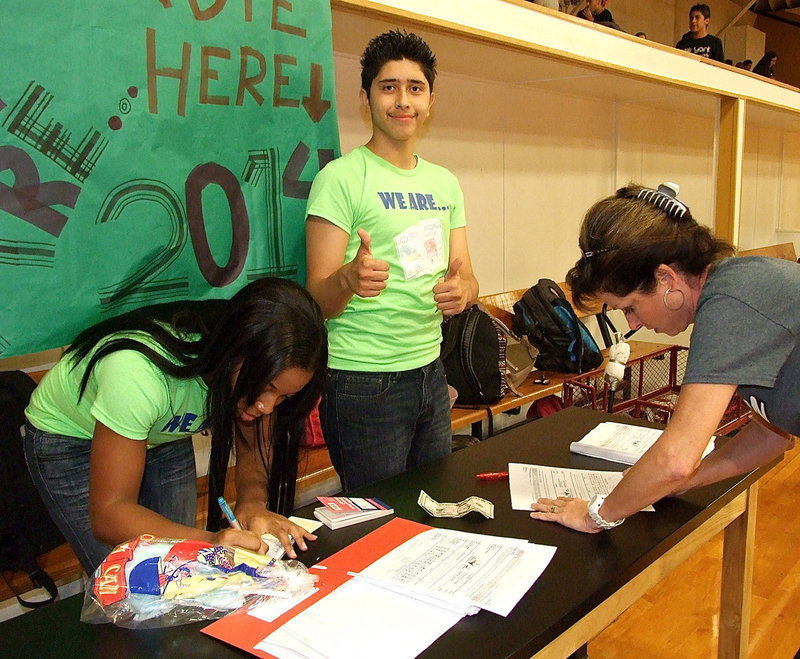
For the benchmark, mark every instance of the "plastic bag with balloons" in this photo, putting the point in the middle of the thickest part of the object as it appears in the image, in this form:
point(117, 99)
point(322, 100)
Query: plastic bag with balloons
point(156, 582)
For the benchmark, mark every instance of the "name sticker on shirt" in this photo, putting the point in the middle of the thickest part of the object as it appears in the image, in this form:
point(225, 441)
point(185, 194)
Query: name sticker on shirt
point(420, 248)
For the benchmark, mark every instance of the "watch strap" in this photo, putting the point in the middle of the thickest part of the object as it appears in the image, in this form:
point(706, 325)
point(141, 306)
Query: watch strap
point(594, 513)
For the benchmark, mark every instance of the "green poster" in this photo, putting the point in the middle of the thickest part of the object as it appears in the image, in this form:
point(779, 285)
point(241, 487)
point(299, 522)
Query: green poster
point(152, 151)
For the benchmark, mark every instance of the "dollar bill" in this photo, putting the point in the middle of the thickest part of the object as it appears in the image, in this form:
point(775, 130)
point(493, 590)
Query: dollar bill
point(468, 505)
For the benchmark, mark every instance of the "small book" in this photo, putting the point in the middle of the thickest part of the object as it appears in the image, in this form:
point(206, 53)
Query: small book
point(338, 512)
point(620, 442)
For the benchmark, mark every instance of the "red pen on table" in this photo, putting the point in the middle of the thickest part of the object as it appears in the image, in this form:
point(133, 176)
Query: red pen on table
point(492, 476)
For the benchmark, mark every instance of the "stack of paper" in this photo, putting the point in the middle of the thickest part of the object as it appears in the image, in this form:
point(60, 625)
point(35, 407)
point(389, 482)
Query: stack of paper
point(344, 511)
point(529, 483)
point(359, 621)
point(461, 571)
point(399, 603)
point(620, 442)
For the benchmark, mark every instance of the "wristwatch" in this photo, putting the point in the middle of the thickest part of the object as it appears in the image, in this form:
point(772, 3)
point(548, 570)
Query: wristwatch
point(594, 513)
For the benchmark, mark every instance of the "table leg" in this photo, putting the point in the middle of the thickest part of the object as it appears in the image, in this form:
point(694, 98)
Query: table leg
point(737, 577)
point(477, 430)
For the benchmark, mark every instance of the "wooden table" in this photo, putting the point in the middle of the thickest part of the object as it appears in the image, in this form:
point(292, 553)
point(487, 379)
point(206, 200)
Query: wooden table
point(591, 580)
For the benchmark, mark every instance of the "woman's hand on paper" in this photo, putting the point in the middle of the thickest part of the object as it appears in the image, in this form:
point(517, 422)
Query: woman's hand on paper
point(567, 511)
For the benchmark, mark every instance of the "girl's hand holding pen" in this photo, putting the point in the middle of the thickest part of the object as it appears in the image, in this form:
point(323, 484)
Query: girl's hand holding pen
point(235, 535)
point(237, 538)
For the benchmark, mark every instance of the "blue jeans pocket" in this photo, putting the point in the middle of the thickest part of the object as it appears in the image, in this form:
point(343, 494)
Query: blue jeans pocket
point(364, 385)
point(52, 448)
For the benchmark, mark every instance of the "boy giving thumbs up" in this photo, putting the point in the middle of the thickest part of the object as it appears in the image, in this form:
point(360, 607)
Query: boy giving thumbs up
point(387, 258)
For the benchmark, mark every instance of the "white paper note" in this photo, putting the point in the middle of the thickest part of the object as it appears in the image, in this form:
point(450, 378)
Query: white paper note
point(463, 569)
point(529, 483)
point(359, 620)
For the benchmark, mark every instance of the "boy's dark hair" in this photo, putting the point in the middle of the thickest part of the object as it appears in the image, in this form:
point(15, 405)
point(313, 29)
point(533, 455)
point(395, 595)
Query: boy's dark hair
point(396, 45)
point(702, 8)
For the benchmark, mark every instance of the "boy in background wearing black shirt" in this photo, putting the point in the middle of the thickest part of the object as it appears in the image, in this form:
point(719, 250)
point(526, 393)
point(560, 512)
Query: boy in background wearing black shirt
point(697, 40)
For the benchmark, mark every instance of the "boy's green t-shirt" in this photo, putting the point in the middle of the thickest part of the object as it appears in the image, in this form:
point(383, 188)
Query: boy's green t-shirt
point(126, 392)
point(409, 215)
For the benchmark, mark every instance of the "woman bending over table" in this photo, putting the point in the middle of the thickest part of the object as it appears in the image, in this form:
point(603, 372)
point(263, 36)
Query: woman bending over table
point(643, 253)
point(108, 439)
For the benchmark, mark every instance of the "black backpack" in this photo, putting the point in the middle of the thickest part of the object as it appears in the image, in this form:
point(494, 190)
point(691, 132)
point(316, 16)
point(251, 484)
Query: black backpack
point(474, 355)
point(26, 528)
point(547, 318)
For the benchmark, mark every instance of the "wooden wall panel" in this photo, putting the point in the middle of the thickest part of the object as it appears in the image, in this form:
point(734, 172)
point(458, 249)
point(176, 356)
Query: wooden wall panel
point(655, 146)
point(790, 184)
point(761, 172)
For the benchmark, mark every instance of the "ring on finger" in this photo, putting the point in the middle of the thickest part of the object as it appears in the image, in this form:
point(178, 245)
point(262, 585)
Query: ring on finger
point(553, 509)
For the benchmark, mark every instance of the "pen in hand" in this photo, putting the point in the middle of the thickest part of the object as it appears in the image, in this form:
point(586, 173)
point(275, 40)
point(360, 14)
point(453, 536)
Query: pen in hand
point(226, 510)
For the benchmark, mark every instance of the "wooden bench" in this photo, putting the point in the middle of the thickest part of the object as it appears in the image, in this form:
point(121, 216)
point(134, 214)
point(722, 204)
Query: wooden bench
point(784, 251)
point(501, 305)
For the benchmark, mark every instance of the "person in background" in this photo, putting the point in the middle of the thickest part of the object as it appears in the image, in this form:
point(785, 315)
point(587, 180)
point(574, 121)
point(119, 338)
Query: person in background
point(747, 65)
point(644, 253)
point(766, 65)
point(108, 437)
point(387, 257)
point(641, 35)
point(729, 62)
point(698, 40)
point(597, 11)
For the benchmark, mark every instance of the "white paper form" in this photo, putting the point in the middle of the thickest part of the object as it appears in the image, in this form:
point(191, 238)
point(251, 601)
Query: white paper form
point(272, 608)
point(420, 248)
point(464, 569)
point(360, 620)
point(529, 483)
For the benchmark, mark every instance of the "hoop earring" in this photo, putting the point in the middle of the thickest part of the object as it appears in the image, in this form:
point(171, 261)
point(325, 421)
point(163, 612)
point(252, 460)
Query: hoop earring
point(680, 306)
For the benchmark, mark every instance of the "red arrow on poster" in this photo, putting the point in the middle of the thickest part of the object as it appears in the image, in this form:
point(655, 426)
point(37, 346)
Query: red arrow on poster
point(316, 106)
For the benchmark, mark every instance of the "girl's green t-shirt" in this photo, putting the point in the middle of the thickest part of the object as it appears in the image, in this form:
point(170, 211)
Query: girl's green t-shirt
point(126, 392)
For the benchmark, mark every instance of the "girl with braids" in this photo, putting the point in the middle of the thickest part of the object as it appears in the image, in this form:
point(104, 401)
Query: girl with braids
point(108, 438)
point(643, 253)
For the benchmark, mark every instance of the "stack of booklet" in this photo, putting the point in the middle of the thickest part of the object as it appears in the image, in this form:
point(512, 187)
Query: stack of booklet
point(620, 442)
point(337, 512)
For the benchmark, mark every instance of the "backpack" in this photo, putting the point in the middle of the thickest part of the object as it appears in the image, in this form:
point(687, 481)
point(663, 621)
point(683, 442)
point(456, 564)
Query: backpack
point(547, 318)
point(26, 529)
point(474, 354)
point(520, 357)
point(482, 357)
